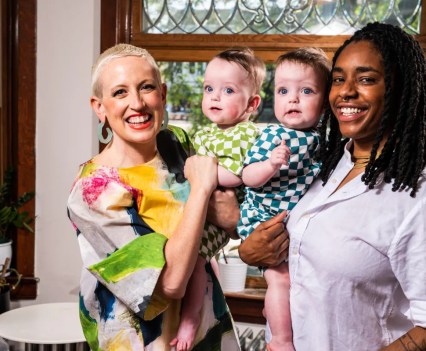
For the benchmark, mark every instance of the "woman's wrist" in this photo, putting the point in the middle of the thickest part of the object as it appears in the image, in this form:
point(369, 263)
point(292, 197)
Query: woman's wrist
point(200, 194)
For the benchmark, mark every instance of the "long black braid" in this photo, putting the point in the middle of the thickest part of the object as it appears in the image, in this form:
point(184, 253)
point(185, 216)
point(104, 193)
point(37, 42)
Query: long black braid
point(403, 157)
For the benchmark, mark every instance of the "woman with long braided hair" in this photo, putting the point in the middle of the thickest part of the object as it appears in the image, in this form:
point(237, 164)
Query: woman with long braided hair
point(357, 250)
point(402, 122)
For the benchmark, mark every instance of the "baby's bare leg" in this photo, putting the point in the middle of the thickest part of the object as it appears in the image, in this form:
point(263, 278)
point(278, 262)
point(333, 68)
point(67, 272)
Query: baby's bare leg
point(192, 303)
point(277, 308)
point(215, 267)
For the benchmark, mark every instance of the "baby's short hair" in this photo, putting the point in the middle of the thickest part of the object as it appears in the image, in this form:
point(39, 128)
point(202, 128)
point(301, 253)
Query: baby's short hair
point(246, 58)
point(310, 56)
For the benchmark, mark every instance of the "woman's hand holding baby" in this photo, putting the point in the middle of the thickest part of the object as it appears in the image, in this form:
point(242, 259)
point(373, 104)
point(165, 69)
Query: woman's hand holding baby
point(201, 172)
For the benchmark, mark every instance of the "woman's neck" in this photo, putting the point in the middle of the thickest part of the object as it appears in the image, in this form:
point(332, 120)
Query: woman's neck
point(126, 155)
point(361, 148)
point(361, 152)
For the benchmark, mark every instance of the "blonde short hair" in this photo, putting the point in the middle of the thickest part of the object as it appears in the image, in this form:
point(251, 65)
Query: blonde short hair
point(118, 51)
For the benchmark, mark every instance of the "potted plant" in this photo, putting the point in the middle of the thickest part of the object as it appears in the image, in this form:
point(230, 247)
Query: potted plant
point(11, 215)
point(6, 286)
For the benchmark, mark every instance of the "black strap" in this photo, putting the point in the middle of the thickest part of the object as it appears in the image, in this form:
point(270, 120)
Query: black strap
point(172, 153)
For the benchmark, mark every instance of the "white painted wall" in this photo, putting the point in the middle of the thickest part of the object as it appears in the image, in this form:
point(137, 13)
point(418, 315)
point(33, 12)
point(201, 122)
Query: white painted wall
point(68, 41)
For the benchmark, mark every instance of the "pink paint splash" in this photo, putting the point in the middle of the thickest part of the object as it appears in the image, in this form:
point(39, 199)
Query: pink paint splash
point(97, 182)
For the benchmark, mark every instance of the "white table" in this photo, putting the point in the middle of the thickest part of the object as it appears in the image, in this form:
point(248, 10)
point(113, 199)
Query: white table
point(44, 324)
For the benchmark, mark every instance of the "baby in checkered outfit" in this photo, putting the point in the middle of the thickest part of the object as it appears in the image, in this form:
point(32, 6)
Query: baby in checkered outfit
point(281, 165)
point(232, 84)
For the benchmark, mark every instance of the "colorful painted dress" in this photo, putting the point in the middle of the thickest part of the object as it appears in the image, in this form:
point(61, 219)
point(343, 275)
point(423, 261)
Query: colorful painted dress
point(123, 217)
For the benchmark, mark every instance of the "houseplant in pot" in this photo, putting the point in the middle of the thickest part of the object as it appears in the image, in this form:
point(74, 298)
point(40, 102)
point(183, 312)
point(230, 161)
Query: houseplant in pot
point(11, 214)
point(6, 286)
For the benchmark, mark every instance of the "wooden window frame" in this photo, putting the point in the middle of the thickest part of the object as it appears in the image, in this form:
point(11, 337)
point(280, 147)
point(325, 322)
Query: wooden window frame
point(18, 123)
point(121, 22)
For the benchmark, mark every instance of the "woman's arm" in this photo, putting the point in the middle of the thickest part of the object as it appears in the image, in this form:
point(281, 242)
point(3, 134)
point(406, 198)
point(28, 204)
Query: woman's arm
point(181, 249)
point(413, 340)
point(267, 245)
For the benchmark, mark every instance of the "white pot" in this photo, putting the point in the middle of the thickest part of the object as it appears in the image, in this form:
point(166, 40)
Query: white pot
point(5, 251)
point(232, 275)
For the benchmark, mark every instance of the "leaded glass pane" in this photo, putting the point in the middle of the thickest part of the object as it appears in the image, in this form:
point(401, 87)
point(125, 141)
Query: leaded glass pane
point(276, 16)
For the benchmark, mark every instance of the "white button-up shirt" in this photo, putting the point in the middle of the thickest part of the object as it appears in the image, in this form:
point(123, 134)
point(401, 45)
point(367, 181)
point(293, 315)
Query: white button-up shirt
point(357, 264)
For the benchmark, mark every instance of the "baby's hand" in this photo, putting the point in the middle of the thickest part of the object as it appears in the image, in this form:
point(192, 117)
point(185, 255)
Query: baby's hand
point(280, 155)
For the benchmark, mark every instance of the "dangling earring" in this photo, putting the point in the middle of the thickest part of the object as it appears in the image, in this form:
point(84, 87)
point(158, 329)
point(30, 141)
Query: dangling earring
point(165, 119)
point(100, 135)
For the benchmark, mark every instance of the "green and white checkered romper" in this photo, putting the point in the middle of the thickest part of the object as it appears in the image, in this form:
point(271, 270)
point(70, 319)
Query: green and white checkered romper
point(288, 185)
point(229, 146)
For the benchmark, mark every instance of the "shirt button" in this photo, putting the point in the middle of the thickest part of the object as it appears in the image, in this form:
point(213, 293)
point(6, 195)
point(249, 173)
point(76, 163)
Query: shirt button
point(334, 180)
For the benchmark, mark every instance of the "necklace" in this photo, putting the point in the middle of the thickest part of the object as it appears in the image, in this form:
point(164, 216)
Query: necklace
point(361, 161)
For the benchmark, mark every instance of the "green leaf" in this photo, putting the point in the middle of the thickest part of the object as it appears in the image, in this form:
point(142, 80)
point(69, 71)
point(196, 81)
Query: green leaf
point(10, 203)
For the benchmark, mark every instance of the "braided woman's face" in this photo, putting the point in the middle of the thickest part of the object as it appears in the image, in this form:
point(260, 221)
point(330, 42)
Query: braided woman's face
point(358, 92)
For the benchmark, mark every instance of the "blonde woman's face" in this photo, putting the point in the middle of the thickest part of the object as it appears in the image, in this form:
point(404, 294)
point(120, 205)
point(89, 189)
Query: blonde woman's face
point(132, 100)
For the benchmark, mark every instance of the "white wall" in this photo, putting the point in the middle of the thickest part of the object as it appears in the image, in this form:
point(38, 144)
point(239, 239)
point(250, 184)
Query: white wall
point(68, 41)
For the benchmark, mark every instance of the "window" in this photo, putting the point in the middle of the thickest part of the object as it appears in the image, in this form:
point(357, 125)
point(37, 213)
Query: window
point(275, 17)
point(18, 111)
point(131, 21)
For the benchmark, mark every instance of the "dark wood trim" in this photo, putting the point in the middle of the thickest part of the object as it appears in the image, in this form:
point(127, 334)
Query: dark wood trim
point(116, 26)
point(202, 47)
point(247, 306)
point(25, 289)
point(6, 116)
point(116, 22)
point(19, 101)
point(423, 23)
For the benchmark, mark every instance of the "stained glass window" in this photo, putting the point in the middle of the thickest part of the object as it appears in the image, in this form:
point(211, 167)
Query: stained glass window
point(321, 17)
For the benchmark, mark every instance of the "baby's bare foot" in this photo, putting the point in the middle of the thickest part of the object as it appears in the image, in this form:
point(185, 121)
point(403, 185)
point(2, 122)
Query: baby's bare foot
point(186, 334)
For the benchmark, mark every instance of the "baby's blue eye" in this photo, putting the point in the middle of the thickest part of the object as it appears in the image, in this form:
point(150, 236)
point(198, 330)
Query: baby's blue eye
point(282, 91)
point(307, 91)
point(208, 89)
point(229, 90)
